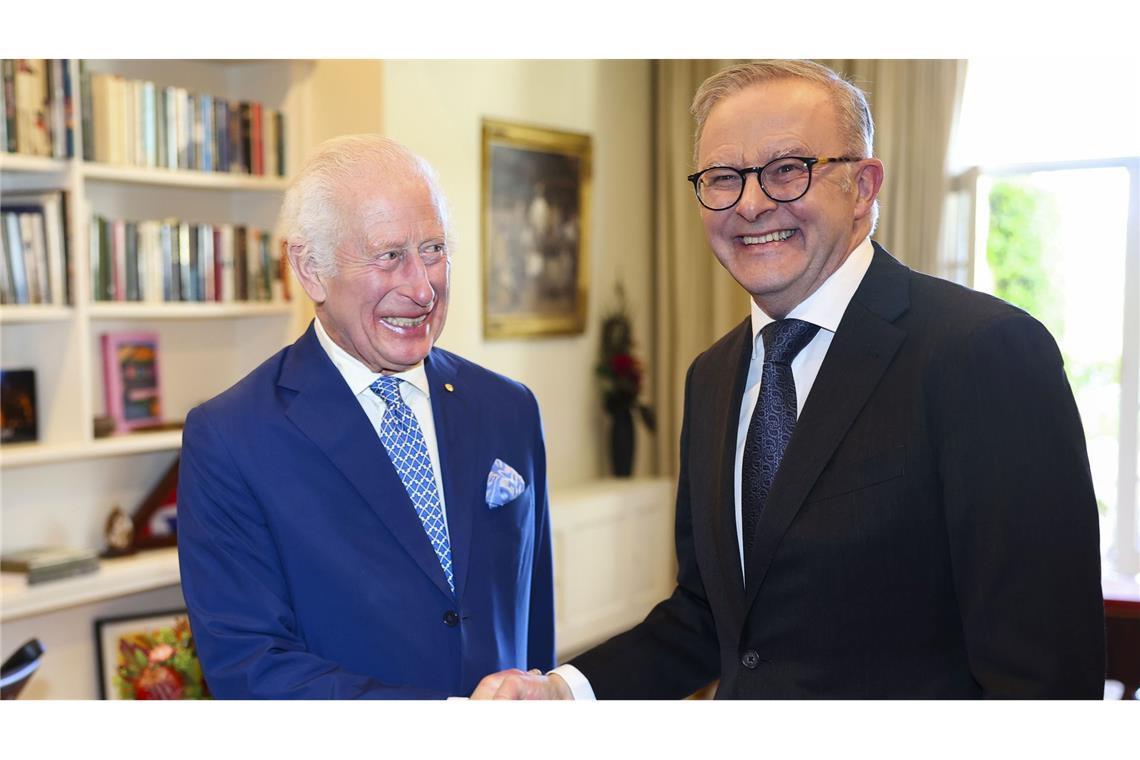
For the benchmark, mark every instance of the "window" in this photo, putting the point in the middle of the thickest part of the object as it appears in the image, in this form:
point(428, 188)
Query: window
point(1045, 215)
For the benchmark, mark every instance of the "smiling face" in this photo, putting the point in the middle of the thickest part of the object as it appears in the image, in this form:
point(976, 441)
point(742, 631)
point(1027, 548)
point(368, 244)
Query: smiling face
point(782, 252)
point(387, 303)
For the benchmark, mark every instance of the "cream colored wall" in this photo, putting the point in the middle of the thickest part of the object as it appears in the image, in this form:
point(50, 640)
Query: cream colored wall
point(436, 108)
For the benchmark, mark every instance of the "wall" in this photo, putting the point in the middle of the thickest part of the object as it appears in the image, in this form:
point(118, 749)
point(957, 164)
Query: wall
point(436, 108)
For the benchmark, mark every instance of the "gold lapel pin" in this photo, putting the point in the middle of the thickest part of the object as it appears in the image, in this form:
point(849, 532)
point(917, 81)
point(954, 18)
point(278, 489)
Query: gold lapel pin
point(449, 387)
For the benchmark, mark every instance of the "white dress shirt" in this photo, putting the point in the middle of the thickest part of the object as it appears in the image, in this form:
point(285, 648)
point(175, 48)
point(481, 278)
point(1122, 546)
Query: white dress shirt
point(824, 307)
point(414, 390)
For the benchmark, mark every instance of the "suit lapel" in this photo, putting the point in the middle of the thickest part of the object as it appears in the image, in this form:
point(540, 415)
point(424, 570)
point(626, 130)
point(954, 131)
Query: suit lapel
point(456, 425)
point(863, 347)
point(725, 411)
point(326, 412)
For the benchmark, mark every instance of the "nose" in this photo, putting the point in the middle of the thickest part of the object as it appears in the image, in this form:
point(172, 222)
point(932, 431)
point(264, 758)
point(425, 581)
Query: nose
point(416, 285)
point(753, 202)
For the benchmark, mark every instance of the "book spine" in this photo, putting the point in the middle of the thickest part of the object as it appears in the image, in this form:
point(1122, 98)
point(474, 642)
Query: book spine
point(206, 107)
point(279, 121)
point(8, 66)
point(221, 135)
point(257, 149)
point(227, 274)
point(28, 245)
point(68, 109)
point(58, 117)
point(184, 286)
point(86, 120)
point(119, 260)
point(246, 137)
point(131, 275)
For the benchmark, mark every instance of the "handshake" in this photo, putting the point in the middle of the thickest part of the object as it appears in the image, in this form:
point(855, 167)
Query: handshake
point(515, 684)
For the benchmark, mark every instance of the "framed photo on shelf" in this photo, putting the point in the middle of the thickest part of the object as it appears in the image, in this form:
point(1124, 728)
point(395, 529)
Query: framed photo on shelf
point(131, 380)
point(18, 413)
point(148, 656)
point(536, 226)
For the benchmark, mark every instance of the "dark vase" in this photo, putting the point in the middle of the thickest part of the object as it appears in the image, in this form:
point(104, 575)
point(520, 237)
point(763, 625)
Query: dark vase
point(621, 443)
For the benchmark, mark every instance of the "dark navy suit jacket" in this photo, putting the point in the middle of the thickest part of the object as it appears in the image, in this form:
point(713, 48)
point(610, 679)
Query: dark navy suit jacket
point(305, 569)
point(931, 532)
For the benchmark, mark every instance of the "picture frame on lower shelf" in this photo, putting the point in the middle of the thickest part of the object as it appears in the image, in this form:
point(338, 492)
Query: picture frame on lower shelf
point(148, 656)
point(131, 380)
point(18, 413)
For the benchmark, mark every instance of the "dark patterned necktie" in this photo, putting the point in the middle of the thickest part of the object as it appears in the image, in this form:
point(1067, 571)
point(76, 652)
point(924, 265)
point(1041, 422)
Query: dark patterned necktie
point(773, 420)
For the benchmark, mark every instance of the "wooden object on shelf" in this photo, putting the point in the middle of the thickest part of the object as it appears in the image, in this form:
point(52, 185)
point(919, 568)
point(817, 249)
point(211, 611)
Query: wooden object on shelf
point(155, 521)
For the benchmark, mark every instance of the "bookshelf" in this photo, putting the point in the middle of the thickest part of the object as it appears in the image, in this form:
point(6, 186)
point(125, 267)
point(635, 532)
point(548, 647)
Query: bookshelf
point(60, 488)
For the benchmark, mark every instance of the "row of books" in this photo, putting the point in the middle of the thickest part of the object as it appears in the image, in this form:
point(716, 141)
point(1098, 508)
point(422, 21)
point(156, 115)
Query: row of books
point(168, 260)
point(33, 249)
point(37, 107)
point(140, 123)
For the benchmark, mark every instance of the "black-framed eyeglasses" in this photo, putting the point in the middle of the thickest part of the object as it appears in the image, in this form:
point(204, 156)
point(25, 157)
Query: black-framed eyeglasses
point(784, 180)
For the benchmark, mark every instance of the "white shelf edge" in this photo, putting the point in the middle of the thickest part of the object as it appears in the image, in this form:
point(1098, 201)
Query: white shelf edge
point(181, 178)
point(16, 162)
point(147, 570)
point(106, 310)
point(12, 314)
point(29, 454)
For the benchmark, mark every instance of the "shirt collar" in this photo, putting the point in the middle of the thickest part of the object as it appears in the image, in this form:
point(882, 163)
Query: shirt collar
point(358, 376)
point(824, 307)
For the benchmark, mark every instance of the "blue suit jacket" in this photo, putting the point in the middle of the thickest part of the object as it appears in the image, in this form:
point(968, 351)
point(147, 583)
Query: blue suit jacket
point(305, 569)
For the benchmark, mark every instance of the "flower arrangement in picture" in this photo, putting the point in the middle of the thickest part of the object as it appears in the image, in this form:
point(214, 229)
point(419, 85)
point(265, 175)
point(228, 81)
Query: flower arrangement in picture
point(160, 664)
point(621, 375)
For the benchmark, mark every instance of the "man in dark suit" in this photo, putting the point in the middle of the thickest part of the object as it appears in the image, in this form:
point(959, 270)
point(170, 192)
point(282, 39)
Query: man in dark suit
point(366, 515)
point(884, 489)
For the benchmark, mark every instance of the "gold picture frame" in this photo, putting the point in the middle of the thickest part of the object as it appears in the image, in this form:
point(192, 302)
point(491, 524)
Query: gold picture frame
point(535, 230)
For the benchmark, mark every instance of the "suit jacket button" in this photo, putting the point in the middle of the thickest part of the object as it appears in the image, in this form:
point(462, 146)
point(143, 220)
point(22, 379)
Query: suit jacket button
point(750, 659)
point(451, 618)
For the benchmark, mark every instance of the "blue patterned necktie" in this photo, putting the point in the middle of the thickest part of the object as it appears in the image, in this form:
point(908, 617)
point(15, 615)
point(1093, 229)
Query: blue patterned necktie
point(402, 438)
point(773, 420)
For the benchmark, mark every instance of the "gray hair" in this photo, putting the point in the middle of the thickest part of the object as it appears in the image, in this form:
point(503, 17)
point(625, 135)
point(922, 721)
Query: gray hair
point(312, 219)
point(855, 122)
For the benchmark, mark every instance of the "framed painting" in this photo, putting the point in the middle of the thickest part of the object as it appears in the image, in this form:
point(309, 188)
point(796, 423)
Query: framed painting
point(148, 656)
point(536, 228)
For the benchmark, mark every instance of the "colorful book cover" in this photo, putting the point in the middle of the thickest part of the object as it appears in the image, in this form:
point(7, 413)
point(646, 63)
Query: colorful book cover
point(131, 379)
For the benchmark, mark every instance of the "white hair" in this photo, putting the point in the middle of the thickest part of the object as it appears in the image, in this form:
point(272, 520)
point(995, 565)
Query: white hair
point(312, 214)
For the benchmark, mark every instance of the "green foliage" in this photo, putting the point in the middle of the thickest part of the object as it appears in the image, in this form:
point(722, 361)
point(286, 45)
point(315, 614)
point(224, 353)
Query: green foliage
point(1023, 222)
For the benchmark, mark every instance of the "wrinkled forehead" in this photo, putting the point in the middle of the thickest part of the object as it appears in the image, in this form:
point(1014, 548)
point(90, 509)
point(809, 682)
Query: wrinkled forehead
point(377, 197)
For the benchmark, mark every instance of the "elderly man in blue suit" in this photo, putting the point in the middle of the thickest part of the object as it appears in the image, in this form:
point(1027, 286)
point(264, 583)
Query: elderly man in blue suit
point(366, 515)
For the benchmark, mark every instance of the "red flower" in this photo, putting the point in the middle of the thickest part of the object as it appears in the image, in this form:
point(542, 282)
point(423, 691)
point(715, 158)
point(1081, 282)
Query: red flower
point(623, 365)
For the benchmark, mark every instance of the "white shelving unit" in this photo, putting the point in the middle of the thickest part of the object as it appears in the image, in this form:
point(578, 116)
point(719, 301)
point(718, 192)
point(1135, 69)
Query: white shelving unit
point(61, 343)
point(115, 577)
point(60, 489)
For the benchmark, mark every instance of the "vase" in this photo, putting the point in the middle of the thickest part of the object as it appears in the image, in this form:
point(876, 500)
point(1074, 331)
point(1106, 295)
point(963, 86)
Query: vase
point(621, 443)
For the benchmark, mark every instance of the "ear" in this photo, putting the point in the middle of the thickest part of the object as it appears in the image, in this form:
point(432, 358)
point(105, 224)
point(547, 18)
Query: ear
point(868, 182)
point(313, 282)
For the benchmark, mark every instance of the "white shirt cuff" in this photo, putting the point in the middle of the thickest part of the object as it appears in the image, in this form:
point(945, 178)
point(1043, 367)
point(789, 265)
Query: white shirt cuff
point(579, 685)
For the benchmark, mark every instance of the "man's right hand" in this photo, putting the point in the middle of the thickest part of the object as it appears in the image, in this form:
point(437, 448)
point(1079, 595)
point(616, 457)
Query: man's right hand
point(515, 684)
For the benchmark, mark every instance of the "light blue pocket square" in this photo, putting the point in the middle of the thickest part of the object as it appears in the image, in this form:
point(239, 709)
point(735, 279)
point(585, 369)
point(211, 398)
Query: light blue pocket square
point(503, 484)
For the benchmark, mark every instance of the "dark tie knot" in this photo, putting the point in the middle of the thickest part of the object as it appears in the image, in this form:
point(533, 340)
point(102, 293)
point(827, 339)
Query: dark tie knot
point(388, 389)
point(785, 338)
